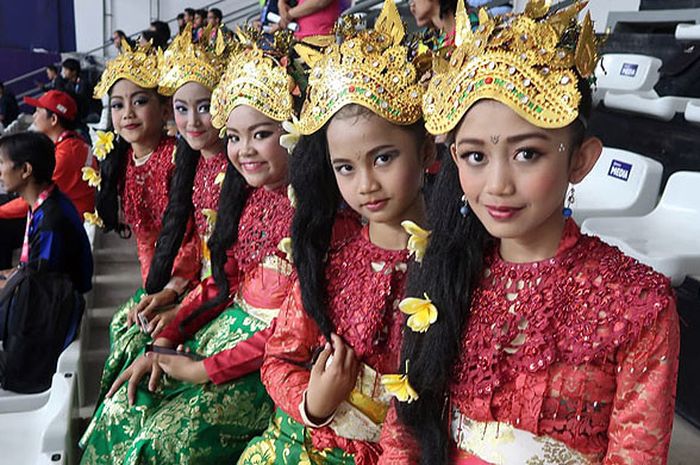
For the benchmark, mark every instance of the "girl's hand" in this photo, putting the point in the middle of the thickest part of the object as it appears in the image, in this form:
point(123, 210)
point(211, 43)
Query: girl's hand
point(133, 374)
point(333, 376)
point(161, 320)
point(149, 304)
point(182, 368)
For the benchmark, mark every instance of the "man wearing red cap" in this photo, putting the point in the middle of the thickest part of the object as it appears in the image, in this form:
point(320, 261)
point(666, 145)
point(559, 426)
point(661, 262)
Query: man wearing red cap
point(55, 116)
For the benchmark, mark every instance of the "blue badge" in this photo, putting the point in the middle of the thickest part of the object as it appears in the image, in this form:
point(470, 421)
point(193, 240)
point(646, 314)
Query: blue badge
point(629, 69)
point(620, 170)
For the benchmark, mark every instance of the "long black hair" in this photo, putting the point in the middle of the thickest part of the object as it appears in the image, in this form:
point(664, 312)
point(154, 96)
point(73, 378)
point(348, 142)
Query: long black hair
point(232, 200)
point(112, 171)
point(449, 274)
point(175, 218)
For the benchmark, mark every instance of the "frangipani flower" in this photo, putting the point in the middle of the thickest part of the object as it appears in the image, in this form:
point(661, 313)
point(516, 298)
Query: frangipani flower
point(91, 176)
point(418, 241)
point(285, 246)
point(422, 313)
point(292, 196)
point(210, 215)
point(292, 136)
point(219, 179)
point(399, 387)
point(94, 218)
point(103, 145)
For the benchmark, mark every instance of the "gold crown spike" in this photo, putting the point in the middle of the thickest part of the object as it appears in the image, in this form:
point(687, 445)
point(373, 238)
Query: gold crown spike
point(258, 79)
point(369, 68)
point(184, 61)
point(531, 62)
point(138, 65)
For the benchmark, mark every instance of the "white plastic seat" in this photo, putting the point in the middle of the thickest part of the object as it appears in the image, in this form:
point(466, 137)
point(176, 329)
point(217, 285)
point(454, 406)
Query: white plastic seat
point(661, 108)
point(12, 402)
point(692, 112)
point(621, 183)
point(688, 31)
point(668, 238)
point(626, 73)
point(41, 436)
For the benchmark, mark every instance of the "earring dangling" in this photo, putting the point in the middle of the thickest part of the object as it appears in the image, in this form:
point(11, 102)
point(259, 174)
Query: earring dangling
point(464, 209)
point(569, 202)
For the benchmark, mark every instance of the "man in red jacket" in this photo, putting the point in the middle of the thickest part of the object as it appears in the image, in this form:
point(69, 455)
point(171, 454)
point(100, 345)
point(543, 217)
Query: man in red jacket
point(55, 116)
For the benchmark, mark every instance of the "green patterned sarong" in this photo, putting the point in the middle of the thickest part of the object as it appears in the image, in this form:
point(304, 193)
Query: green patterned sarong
point(182, 423)
point(285, 441)
point(125, 344)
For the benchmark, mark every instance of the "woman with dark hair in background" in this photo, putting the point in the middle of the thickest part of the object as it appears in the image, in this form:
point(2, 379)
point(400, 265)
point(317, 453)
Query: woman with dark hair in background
point(548, 346)
point(203, 408)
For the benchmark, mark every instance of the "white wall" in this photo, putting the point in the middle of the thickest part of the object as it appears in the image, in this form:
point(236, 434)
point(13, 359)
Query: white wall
point(599, 9)
point(93, 28)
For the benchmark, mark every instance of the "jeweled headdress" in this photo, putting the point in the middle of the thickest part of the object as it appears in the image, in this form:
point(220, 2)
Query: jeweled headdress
point(369, 68)
point(203, 62)
point(531, 62)
point(139, 65)
point(256, 76)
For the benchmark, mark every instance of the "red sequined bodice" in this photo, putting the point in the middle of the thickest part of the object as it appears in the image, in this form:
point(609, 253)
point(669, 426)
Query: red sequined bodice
point(146, 187)
point(545, 341)
point(205, 192)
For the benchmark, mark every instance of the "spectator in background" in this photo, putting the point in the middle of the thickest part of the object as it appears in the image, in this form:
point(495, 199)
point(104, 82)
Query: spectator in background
point(76, 86)
point(41, 314)
point(200, 19)
point(181, 22)
point(162, 30)
point(118, 37)
point(149, 36)
point(314, 17)
point(54, 79)
point(214, 19)
point(8, 106)
point(189, 15)
point(55, 116)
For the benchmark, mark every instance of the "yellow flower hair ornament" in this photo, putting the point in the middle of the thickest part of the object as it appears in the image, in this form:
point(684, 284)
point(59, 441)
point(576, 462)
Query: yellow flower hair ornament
point(292, 196)
point(103, 144)
point(91, 176)
point(422, 313)
point(285, 246)
point(210, 215)
point(418, 241)
point(94, 218)
point(219, 180)
point(399, 387)
point(292, 136)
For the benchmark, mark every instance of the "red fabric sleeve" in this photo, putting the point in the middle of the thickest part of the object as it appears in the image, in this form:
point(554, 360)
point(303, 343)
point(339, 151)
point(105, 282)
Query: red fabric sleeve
point(206, 290)
point(14, 209)
point(238, 361)
point(188, 261)
point(399, 446)
point(642, 415)
point(288, 350)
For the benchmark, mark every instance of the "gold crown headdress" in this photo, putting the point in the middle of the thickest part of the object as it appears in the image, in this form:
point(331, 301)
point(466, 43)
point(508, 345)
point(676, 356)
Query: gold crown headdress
point(531, 62)
point(369, 68)
point(138, 65)
point(184, 61)
point(256, 76)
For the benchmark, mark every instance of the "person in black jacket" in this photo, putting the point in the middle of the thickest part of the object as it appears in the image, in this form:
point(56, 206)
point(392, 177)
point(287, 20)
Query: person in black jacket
point(41, 304)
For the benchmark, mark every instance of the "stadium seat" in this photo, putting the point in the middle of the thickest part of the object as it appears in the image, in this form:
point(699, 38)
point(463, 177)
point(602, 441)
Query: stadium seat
point(41, 436)
point(668, 238)
point(692, 112)
point(688, 32)
point(621, 183)
point(626, 73)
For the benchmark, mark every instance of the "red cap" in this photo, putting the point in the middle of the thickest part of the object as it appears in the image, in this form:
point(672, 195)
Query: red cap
point(58, 102)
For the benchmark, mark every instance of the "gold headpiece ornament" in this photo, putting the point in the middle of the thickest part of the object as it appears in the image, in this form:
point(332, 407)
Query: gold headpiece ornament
point(184, 61)
point(369, 68)
point(257, 78)
point(531, 62)
point(138, 65)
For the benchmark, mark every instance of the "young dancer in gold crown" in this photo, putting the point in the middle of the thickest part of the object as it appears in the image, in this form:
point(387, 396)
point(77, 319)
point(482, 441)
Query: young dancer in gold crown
point(188, 72)
point(548, 347)
point(203, 403)
point(364, 145)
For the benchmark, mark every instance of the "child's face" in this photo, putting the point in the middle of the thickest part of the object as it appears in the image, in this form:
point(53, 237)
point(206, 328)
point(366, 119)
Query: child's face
point(11, 177)
point(378, 167)
point(514, 174)
point(191, 104)
point(137, 113)
point(254, 147)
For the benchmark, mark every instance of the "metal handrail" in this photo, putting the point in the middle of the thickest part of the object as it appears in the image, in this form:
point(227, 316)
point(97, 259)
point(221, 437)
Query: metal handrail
point(25, 76)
